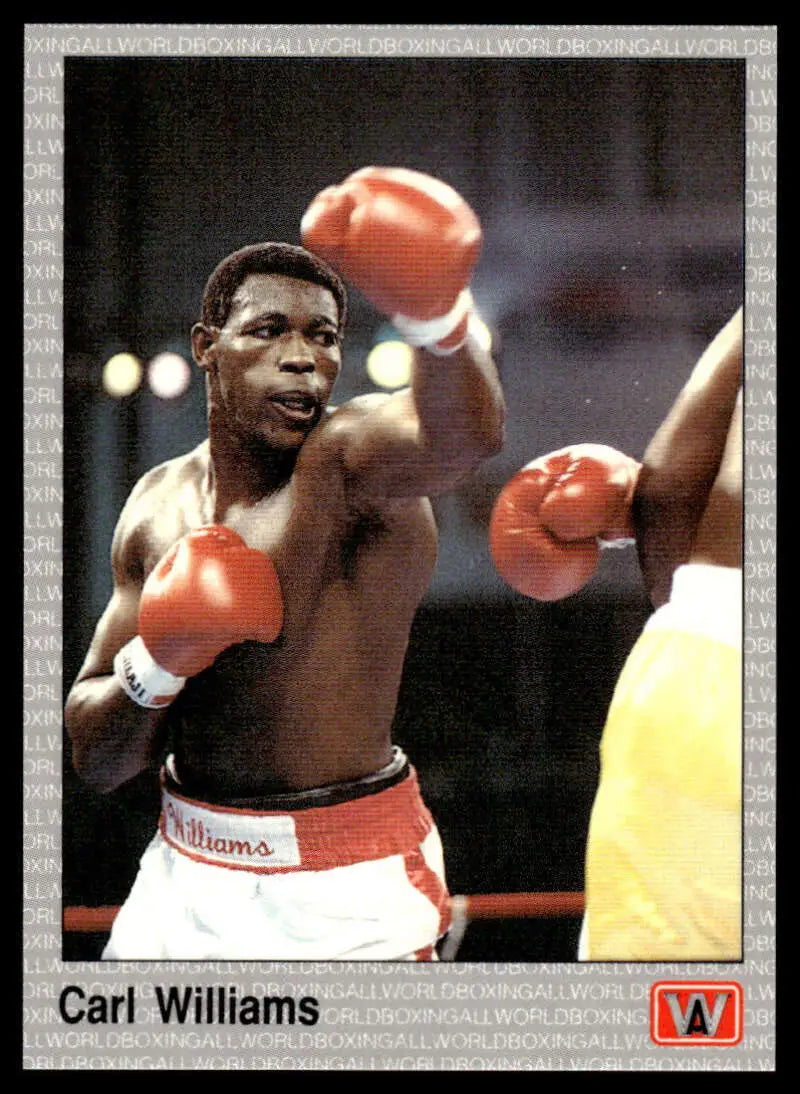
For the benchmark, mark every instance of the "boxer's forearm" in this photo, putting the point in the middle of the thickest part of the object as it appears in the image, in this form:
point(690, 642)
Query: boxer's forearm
point(424, 440)
point(460, 406)
point(113, 738)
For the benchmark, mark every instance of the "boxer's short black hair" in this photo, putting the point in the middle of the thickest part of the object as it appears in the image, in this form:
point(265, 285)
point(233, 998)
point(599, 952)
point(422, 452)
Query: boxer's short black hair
point(267, 258)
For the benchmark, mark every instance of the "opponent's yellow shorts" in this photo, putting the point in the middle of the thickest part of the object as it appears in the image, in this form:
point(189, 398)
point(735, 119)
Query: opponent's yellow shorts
point(663, 861)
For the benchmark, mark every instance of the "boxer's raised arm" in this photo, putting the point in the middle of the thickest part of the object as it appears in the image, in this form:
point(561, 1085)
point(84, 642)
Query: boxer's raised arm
point(409, 243)
point(683, 459)
point(425, 439)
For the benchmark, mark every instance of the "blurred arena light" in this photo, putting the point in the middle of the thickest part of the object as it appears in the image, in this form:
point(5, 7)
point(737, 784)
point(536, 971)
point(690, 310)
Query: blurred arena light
point(168, 375)
point(122, 374)
point(389, 364)
point(389, 361)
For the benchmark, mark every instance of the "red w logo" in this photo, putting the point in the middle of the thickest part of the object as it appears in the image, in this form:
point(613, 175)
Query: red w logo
point(696, 1012)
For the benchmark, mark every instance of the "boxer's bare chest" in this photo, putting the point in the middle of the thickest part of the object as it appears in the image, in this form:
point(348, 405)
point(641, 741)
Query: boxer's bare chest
point(298, 521)
point(335, 569)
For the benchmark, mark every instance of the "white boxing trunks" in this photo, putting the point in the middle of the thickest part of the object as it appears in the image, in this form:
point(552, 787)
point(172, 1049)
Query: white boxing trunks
point(663, 858)
point(362, 879)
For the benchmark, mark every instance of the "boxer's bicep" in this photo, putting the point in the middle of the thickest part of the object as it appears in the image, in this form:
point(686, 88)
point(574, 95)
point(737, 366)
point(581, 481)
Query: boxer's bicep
point(119, 620)
point(389, 452)
point(116, 626)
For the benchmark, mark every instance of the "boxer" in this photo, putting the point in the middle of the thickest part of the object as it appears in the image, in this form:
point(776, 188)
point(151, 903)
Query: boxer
point(264, 589)
point(663, 857)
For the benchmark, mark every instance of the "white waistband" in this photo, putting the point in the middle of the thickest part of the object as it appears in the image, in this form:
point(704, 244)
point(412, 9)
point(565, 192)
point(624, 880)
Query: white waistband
point(704, 600)
point(392, 821)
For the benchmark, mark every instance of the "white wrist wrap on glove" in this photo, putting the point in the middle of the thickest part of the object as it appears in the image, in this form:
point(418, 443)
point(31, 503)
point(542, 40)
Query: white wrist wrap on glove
point(142, 679)
point(427, 333)
point(623, 541)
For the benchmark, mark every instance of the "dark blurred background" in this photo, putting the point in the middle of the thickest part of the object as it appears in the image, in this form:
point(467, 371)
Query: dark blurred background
point(611, 198)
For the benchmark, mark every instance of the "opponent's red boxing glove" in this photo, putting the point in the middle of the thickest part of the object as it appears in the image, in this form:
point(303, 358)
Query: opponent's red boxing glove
point(553, 517)
point(208, 592)
point(409, 242)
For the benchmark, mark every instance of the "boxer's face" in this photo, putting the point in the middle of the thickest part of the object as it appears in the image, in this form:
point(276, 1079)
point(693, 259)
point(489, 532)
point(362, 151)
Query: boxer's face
point(272, 366)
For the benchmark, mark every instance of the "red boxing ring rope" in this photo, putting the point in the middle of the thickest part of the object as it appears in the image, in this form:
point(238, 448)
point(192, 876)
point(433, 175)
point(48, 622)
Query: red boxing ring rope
point(83, 920)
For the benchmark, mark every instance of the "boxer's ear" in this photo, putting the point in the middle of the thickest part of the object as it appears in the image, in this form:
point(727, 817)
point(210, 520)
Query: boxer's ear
point(204, 340)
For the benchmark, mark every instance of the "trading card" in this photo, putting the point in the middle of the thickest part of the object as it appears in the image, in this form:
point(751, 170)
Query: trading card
point(476, 770)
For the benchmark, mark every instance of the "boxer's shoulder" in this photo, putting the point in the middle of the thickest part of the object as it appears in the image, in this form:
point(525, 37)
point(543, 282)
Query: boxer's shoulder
point(184, 471)
point(340, 420)
point(326, 447)
point(325, 465)
point(165, 502)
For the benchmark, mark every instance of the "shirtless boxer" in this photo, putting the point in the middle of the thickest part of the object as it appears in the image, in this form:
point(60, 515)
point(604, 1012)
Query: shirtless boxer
point(663, 859)
point(264, 589)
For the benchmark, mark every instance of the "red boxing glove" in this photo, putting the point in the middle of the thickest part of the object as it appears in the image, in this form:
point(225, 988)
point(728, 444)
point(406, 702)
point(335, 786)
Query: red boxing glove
point(208, 592)
point(552, 519)
point(409, 242)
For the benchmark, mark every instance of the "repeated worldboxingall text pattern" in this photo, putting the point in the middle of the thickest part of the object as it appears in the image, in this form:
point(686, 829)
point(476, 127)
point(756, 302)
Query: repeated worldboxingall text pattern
point(457, 1017)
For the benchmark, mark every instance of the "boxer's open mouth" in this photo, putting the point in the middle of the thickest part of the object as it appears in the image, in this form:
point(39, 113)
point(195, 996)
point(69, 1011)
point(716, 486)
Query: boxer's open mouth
point(296, 405)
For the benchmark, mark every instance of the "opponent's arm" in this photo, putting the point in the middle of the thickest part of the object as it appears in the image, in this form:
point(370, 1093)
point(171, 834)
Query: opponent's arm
point(718, 541)
point(209, 591)
point(553, 517)
point(683, 459)
point(409, 243)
